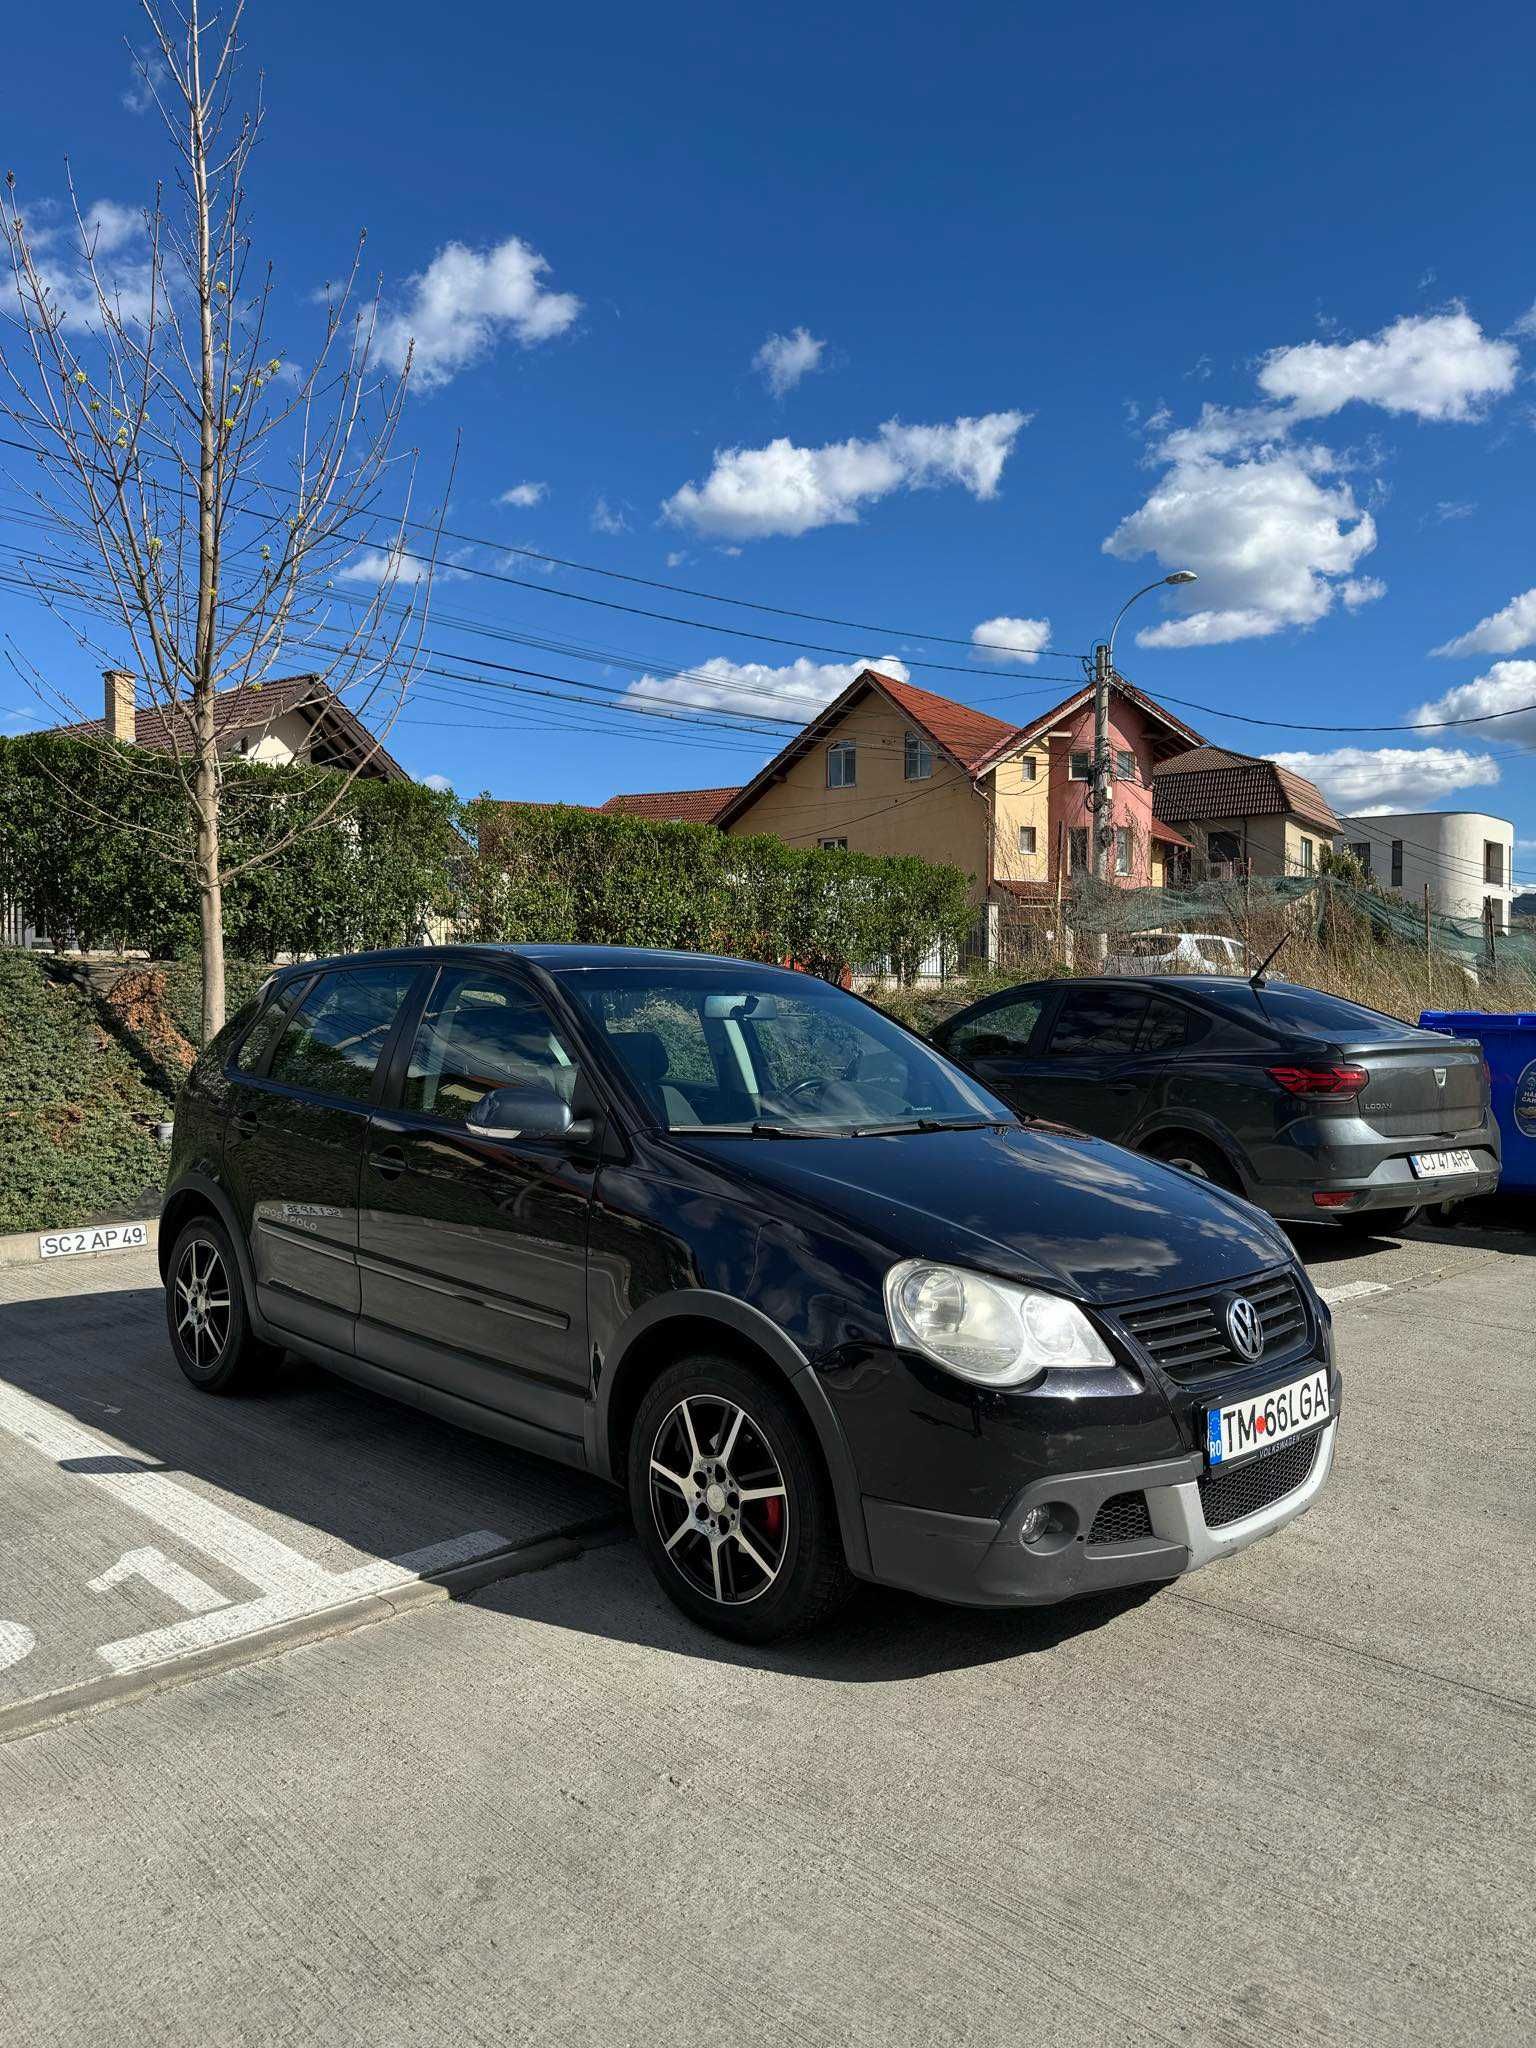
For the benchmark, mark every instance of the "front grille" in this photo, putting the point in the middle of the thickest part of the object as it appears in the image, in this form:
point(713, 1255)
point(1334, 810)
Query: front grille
point(1229, 1496)
point(1123, 1518)
point(1188, 1338)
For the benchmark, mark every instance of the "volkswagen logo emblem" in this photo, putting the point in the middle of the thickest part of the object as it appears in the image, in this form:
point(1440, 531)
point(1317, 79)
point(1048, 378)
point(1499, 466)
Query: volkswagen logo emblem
point(1244, 1327)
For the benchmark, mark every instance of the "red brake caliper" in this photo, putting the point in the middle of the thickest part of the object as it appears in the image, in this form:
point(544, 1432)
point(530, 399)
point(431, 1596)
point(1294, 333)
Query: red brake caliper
point(773, 1516)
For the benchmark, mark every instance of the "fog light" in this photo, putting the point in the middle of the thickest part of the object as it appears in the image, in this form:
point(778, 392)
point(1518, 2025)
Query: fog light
point(1034, 1525)
point(1333, 1198)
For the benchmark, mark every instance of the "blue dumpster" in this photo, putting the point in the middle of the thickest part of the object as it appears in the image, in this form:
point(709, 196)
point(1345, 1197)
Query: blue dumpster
point(1509, 1049)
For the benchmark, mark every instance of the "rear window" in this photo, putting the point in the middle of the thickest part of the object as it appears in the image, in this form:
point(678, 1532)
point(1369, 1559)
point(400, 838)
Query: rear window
point(1309, 1012)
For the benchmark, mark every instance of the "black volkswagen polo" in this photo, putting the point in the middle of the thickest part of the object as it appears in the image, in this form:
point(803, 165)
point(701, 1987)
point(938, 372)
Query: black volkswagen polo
point(735, 1241)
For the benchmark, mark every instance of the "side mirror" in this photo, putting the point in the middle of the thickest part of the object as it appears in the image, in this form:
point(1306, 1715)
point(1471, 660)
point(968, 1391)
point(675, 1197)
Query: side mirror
point(535, 1111)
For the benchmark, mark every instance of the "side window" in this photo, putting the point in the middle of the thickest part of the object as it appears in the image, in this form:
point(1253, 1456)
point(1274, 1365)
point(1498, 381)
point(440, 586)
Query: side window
point(333, 1040)
point(253, 1047)
point(1002, 1032)
point(1098, 1020)
point(1166, 1027)
point(479, 1033)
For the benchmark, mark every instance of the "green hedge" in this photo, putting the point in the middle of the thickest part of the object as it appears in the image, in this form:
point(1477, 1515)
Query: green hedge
point(95, 840)
point(559, 874)
point(76, 1107)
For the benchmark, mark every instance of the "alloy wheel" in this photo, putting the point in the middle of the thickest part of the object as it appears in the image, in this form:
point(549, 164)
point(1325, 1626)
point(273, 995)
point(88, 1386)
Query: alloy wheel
point(202, 1304)
point(719, 1500)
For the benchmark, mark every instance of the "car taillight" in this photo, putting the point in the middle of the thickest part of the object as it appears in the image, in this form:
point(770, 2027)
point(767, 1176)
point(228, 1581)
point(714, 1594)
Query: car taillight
point(1321, 1081)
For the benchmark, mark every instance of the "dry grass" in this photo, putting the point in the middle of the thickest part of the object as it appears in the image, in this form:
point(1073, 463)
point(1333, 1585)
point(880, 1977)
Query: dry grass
point(1381, 974)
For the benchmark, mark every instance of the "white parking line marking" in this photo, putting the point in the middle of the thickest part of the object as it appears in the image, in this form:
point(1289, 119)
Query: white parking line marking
point(383, 1575)
point(16, 1641)
point(290, 1584)
point(1353, 1290)
point(191, 1593)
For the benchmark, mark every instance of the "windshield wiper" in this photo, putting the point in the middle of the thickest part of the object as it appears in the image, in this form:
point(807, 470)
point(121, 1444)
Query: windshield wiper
point(932, 1123)
point(761, 1129)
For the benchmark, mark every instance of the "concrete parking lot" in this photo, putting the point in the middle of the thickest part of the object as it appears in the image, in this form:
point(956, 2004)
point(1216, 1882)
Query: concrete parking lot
point(1289, 1800)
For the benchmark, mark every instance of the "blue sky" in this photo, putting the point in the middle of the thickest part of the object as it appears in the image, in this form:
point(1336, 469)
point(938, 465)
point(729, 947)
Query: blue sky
point(1251, 292)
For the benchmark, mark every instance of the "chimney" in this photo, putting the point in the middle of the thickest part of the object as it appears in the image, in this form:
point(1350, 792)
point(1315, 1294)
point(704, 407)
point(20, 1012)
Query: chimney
point(121, 718)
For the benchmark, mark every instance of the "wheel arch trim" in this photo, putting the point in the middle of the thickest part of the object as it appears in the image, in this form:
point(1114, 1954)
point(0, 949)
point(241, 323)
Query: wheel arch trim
point(750, 1327)
point(199, 1193)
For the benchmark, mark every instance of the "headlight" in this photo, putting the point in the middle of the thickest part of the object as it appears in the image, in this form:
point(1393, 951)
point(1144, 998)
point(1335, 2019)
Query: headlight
point(987, 1330)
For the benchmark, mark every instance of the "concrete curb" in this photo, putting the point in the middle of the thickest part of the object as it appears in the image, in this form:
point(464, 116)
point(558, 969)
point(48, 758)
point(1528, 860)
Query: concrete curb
point(114, 1689)
point(21, 1250)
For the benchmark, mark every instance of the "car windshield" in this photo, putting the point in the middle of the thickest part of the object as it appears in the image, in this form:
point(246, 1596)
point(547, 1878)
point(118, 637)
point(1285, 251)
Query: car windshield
point(1311, 1013)
point(769, 1053)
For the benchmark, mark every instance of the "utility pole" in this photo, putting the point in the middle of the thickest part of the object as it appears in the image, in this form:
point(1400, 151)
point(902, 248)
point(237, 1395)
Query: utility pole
point(1101, 795)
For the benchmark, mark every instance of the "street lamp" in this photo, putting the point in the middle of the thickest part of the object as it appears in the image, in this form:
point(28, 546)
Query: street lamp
point(1101, 798)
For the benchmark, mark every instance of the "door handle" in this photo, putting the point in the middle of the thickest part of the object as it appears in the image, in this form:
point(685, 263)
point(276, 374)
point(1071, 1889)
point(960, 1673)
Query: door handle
point(388, 1164)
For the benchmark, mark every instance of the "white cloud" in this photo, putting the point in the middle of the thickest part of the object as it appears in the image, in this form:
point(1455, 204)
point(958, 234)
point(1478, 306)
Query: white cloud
point(1359, 590)
point(1526, 324)
point(676, 558)
point(751, 493)
point(784, 359)
point(524, 494)
point(796, 690)
point(375, 566)
point(1436, 366)
point(1362, 781)
point(607, 518)
point(465, 301)
point(1448, 509)
point(1502, 632)
point(109, 226)
point(1005, 639)
point(105, 230)
point(440, 783)
point(1269, 535)
point(1509, 686)
point(148, 72)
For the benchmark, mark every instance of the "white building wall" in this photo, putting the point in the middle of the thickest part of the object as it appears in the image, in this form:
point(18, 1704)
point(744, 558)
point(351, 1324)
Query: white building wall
point(1446, 850)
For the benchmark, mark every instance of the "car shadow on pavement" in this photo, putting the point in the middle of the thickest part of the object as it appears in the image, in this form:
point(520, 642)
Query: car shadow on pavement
point(880, 1638)
point(351, 1467)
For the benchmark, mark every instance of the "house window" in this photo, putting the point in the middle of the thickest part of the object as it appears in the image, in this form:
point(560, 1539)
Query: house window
point(1077, 849)
point(1080, 767)
point(1026, 839)
point(842, 765)
point(833, 845)
point(919, 758)
point(1397, 863)
point(1223, 846)
point(1122, 849)
point(1493, 913)
point(1028, 767)
point(1307, 852)
point(1125, 764)
point(1493, 862)
point(1361, 849)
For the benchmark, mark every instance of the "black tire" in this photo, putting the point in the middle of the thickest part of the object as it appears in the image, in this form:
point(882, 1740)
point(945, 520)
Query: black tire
point(754, 1568)
point(1375, 1222)
point(206, 1315)
point(1195, 1157)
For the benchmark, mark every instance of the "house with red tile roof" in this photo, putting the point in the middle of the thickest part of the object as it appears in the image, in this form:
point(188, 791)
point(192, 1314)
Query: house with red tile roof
point(294, 718)
point(1244, 814)
point(889, 768)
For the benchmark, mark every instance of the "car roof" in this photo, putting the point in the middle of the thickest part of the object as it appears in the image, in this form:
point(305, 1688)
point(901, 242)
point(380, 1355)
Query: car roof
point(553, 958)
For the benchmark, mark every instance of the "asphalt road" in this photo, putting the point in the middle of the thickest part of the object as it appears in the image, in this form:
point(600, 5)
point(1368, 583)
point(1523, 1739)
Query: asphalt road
point(1288, 1800)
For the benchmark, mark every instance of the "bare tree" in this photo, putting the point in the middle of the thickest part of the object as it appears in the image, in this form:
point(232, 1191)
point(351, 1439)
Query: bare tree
point(195, 490)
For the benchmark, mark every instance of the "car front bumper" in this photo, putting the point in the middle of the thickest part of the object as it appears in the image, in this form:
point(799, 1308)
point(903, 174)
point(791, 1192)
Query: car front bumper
point(978, 1563)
